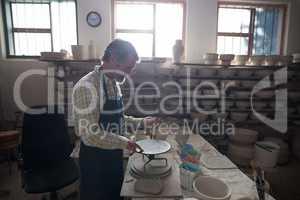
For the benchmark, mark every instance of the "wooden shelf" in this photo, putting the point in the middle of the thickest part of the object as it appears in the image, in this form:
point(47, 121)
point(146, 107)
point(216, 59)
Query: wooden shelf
point(292, 66)
point(71, 60)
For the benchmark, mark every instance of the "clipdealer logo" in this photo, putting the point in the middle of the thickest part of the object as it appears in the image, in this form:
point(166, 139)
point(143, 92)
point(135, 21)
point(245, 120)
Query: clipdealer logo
point(279, 123)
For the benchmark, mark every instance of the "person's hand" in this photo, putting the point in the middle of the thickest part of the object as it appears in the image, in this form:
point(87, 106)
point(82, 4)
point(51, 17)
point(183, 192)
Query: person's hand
point(149, 121)
point(134, 147)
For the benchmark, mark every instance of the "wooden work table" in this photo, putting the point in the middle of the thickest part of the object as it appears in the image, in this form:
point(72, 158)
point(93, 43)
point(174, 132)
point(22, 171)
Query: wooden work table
point(240, 184)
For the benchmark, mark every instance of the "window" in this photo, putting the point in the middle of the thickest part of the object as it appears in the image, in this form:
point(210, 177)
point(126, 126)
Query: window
point(148, 27)
point(249, 29)
point(35, 26)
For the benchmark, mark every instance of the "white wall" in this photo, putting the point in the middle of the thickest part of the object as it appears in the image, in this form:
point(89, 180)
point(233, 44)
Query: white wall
point(102, 34)
point(293, 42)
point(201, 28)
point(2, 41)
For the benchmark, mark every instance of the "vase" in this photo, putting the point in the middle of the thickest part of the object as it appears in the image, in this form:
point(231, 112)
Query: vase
point(178, 50)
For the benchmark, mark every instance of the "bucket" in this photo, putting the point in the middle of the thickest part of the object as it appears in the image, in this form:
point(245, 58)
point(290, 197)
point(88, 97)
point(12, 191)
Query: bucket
point(187, 179)
point(266, 154)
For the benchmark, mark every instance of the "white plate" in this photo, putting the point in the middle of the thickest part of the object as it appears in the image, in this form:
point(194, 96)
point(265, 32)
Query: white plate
point(154, 147)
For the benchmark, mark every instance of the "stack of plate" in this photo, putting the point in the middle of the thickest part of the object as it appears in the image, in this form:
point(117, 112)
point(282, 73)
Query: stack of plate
point(241, 146)
point(155, 169)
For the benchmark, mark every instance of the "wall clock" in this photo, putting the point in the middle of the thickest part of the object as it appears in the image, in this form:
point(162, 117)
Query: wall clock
point(93, 19)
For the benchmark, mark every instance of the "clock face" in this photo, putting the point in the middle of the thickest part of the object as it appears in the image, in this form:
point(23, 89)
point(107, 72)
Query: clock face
point(93, 19)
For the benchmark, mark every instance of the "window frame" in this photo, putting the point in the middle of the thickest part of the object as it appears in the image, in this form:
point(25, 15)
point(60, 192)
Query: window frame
point(9, 35)
point(252, 7)
point(152, 31)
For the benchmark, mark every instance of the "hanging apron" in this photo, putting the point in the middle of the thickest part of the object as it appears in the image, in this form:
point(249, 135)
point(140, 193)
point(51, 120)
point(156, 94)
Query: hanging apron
point(102, 169)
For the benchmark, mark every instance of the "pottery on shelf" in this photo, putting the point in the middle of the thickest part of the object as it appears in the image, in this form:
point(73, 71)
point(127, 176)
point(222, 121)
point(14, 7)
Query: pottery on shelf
point(178, 51)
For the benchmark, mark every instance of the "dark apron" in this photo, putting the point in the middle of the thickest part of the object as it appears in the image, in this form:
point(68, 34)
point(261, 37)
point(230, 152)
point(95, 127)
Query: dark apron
point(102, 169)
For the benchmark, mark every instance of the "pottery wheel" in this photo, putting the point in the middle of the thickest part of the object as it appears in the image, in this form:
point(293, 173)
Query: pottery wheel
point(154, 147)
point(155, 169)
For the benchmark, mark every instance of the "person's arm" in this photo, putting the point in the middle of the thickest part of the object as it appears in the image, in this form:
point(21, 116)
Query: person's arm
point(87, 123)
point(134, 122)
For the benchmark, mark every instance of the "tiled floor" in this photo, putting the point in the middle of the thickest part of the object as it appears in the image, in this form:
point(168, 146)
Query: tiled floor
point(284, 181)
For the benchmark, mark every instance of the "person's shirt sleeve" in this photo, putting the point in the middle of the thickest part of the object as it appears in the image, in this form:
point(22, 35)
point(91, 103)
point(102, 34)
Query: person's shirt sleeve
point(86, 108)
point(134, 122)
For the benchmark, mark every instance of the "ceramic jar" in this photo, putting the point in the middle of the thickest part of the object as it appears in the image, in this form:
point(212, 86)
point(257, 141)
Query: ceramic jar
point(178, 50)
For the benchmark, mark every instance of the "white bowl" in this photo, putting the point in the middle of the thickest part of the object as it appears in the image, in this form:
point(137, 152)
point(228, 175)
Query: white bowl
point(284, 152)
point(231, 83)
point(244, 136)
point(240, 60)
point(210, 188)
point(239, 116)
point(256, 60)
point(266, 158)
point(226, 58)
point(211, 56)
